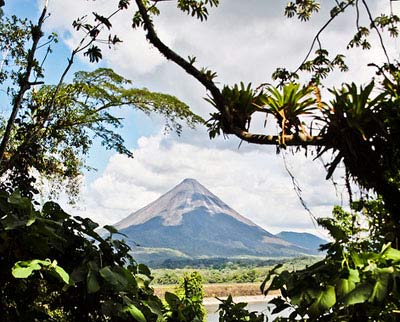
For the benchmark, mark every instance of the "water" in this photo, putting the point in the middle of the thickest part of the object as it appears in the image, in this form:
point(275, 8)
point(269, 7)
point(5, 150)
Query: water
point(254, 304)
point(212, 314)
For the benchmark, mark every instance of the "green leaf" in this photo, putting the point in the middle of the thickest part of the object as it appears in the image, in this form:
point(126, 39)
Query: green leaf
point(272, 272)
point(92, 284)
point(358, 262)
point(24, 269)
point(359, 295)
point(380, 288)
point(111, 229)
point(172, 299)
point(155, 306)
point(392, 254)
point(325, 300)
point(344, 286)
point(22, 202)
point(11, 221)
point(115, 279)
point(54, 209)
point(135, 312)
point(143, 269)
point(62, 274)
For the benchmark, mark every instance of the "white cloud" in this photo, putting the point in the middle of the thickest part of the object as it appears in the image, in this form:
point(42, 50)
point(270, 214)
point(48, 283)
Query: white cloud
point(243, 40)
point(252, 182)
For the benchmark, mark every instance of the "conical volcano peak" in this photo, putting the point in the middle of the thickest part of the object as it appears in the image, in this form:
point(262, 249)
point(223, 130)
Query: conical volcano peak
point(189, 221)
point(187, 196)
point(190, 185)
point(190, 181)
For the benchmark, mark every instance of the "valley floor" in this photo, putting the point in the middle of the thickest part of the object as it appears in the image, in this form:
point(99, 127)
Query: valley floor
point(219, 290)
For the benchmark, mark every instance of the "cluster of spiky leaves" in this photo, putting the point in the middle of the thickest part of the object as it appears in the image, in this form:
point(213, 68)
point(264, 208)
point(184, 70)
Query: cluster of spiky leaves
point(240, 103)
point(361, 126)
point(287, 105)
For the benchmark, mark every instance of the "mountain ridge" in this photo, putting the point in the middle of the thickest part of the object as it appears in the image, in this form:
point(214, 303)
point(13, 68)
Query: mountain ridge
point(195, 222)
point(171, 209)
point(305, 240)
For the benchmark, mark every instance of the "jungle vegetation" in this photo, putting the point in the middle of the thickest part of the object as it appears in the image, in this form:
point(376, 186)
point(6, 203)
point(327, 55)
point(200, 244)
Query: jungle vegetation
point(55, 267)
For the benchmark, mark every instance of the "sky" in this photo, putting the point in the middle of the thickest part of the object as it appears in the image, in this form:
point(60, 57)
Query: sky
point(242, 41)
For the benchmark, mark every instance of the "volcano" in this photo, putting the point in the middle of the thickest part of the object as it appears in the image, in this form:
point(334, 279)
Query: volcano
point(191, 221)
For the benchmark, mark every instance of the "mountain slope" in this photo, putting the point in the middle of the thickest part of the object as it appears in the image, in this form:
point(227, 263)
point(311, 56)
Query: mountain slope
point(186, 196)
point(305, 240)
point(192, 220)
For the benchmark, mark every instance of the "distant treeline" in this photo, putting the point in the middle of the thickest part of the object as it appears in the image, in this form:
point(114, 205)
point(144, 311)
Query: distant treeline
point(238, 271)
point(216, 263)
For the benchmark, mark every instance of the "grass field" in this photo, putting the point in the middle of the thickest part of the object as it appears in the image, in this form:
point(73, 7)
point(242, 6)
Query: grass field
point(218, 290)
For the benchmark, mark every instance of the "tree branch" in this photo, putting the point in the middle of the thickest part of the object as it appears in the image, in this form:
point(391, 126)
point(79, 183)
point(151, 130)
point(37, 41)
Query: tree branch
point(316, 38)
point(24, 82)
point(171, 55)
point(300, 139)
point(373, 25)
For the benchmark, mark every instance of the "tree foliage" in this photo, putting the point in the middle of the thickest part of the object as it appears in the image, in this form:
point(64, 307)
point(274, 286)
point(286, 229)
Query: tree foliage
point(52, 127)
point(357, 281)
point(187, 303)
point(48, 130)
point(55, 267)
point(54, 133)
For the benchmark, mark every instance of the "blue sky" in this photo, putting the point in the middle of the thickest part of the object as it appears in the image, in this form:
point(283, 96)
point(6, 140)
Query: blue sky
point(242, 41)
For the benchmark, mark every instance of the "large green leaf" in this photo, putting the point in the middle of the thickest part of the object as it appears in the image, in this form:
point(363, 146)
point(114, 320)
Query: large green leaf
point(143, 269)
point(359, 295)
point(380, 289)
point(135, 312)
point(24, 269)
point(172, 299)
point(155, 306)
point(111, 229)
point(54, 209)
point(62, 274)
point(114, 278)
point(344, 286)
point(393, 254)
point(22, 202)
point(12, 221)
point(92, 284)
point(324, 301)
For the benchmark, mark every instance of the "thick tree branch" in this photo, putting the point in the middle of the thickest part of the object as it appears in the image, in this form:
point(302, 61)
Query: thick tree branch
point(171, 55)
point(289, 139)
